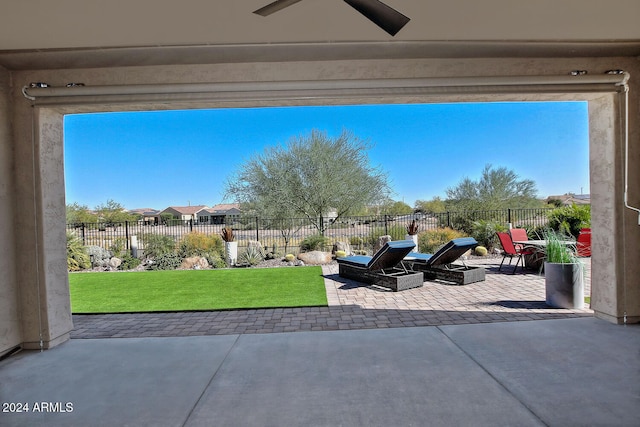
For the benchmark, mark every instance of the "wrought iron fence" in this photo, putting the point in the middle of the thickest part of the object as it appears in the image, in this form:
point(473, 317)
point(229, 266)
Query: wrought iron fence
point(285, 235)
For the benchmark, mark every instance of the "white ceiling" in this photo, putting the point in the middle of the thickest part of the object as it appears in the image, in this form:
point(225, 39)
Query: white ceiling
point(70, 33)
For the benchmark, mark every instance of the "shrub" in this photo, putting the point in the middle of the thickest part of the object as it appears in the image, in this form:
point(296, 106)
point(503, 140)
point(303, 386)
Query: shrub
point(430, 241)
point(128, 262)
point(166, 261)
point(314, 243)
point(396, 231)
point(77, 256)
point(200, 244)
point(216, 260)
point(341, 254)
point(481, 251)
point(356, 242)
point(570, 219)
point(118, 246)
point(289, 257)
point(485, 232)
point(157, 244)
point(252, 255)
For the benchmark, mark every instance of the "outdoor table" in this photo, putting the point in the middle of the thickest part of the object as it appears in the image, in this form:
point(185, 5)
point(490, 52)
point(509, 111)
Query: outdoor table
point(541, 243)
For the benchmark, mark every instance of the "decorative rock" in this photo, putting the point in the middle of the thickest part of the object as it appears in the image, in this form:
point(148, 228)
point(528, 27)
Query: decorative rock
point(380, 243)
point(194, 263)
point(99, 256)
point(115, 262)
point(315, 257)
point(341, 246)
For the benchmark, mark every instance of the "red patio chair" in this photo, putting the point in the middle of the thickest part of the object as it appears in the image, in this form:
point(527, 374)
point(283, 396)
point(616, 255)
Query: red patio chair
point(583, 245)
point(518, 234)
point(510, 251)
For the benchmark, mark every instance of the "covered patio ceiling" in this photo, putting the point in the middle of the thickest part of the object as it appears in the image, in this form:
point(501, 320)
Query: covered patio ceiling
point(80, 34)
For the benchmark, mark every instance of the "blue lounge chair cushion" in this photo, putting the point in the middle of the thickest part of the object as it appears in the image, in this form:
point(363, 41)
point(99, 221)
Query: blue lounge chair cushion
point(390, 255)
point(447, 254)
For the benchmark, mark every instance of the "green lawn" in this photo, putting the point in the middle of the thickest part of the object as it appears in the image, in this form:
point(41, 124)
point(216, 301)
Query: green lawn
point(188, 290)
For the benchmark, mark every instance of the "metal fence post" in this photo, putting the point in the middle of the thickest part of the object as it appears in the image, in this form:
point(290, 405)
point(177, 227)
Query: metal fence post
point(190, 225)
point(386, 224)
point(126, 233)
point(84, 239)
point(257, 229)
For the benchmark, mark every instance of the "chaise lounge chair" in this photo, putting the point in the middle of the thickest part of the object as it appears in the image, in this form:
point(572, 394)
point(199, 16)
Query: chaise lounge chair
point(385, 268)
point(439, 266)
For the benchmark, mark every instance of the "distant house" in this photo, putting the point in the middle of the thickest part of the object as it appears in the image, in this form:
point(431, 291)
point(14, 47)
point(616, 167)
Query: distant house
point(148, 216)
point(571, 199)
point(220, 214)
point(184, 213)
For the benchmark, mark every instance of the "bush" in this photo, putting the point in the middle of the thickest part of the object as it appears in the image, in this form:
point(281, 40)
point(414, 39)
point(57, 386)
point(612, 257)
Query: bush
point(199, 244)
point(166, 261)
point(431, 240)
point(570, 219)
point(396, 231)
point(314, 243)
point(118, 246)
point(216, 260)
point(485, 232)
point(157, 244)
point(289, 257)
point(356, 242)
point(252, 255)
point(341, 254)
point(481, 251)
point(128, 262)
point(77, 256)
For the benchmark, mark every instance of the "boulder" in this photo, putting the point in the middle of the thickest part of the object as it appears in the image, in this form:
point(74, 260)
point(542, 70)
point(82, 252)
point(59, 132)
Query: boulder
point(315, 257)
point(380, 243)
point(115, 263)
point(341, 246)
point(194, 263)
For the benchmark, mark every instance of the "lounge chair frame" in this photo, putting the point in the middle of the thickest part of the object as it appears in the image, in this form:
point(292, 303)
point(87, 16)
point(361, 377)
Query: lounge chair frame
point(441, 266)
point(383, 268)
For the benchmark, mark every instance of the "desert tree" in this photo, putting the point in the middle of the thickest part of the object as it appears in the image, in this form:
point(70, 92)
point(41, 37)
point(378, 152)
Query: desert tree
point(497, 188)
point(311, 176)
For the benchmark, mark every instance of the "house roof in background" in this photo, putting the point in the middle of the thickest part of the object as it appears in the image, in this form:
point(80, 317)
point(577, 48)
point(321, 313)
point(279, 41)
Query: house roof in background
point(186, 210)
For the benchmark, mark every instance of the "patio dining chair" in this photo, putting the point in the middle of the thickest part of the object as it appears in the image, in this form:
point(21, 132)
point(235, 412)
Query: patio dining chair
point(584, 243)
point(518, 235)
point(510, 251)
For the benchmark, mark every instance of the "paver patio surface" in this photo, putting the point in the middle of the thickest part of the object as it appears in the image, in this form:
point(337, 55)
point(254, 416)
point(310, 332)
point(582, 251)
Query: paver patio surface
point(502, 297)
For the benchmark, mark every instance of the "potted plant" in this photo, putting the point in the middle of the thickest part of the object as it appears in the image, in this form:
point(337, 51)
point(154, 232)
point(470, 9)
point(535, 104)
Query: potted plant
point(230, 246)
point(563, 273)
point(412, 233)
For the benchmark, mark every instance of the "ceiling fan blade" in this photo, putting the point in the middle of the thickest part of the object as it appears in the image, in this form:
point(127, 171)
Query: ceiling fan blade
point(382, 15)
point(274, 7)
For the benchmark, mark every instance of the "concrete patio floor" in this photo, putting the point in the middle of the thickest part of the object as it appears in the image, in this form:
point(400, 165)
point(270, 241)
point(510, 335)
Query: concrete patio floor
point(567, 372)
point(484, 372)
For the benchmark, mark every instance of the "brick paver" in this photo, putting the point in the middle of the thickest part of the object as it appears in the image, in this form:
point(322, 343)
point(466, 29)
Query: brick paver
point(502, 297)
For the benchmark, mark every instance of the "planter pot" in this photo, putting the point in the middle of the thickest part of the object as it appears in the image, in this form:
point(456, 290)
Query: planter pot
point(231, 251)
point(413, 237)
point(564, 285)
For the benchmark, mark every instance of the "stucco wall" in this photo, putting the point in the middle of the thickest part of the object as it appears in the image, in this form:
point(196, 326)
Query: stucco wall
point(616, 268)
point(10, 330)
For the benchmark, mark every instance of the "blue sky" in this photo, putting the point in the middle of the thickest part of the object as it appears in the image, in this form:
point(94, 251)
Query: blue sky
point(177, 158)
